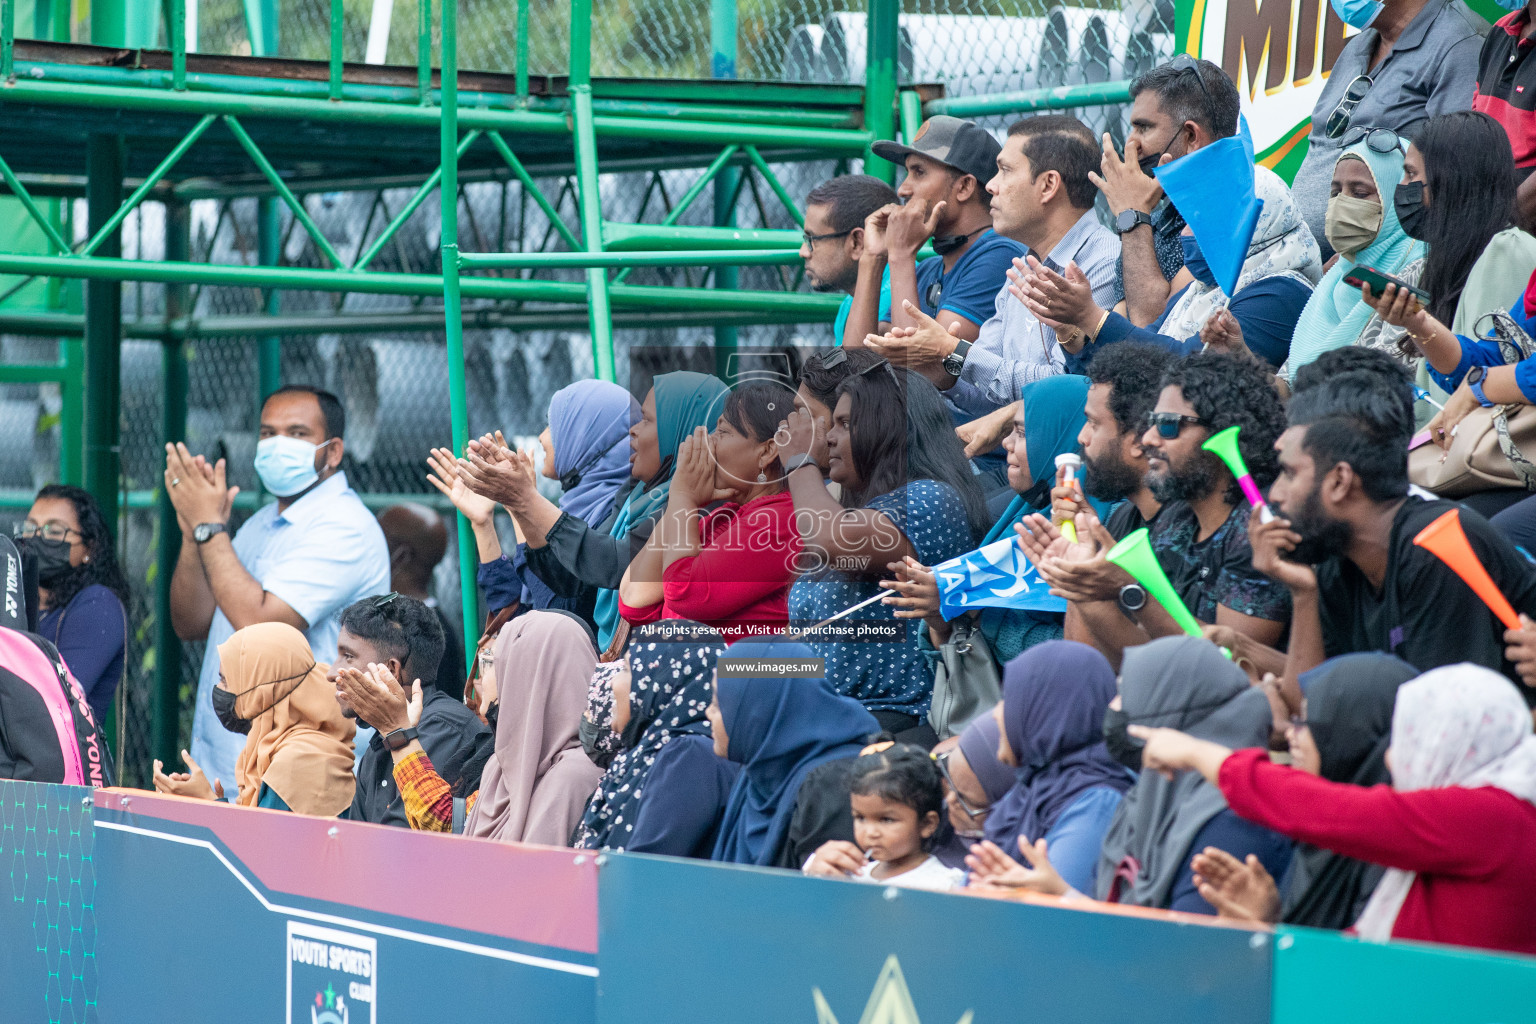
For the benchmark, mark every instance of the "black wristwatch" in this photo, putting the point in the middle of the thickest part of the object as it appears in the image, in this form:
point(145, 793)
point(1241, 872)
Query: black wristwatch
point(1130, 220)
point(1132, 599)
point(955, 361)
point(399, 738)
point(204, 532)
point(799, 462)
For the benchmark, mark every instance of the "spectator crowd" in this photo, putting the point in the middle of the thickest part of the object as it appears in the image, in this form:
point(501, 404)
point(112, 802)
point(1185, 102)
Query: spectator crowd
point(734, 635)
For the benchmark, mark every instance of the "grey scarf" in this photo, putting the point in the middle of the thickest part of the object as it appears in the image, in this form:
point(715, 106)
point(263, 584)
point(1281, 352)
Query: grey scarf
point(1178, 682)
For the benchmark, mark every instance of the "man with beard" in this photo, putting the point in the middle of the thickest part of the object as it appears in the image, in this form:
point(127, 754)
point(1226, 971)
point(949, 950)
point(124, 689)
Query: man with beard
point(405, 636)
point(833, 242)
point(1343, 541)
point(1199, 532)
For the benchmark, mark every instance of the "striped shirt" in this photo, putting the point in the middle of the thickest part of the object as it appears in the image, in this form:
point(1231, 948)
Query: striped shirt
point(1014, 348)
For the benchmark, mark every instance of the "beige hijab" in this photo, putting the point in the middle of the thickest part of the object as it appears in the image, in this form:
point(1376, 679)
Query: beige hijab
point(300, 745)
point(539, 779)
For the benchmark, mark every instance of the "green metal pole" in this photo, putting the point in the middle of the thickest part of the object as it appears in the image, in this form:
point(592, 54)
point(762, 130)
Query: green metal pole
point(269, 348)
point(72, 415)
point(911, 114)
point(723, 33)
point(103, 330)
point(1057, 98)
point(166, 714)
point(880, 70)
point(453, 312)
point(588, 186)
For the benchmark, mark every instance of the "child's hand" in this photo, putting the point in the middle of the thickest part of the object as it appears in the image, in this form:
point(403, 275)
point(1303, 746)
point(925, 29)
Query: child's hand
point(837, 858)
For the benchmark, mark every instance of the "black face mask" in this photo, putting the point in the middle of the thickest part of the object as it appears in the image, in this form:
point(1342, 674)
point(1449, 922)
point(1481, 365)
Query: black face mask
point(52, 559)
point(591, 735)
point(491, 714)
point(1408, 201)
point(224, 707)
point(1121, 746)
point(946, 244)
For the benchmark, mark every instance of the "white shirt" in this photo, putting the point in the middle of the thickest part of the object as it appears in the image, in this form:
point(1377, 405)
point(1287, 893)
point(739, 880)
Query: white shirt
point(931, 874)
point(321, 555)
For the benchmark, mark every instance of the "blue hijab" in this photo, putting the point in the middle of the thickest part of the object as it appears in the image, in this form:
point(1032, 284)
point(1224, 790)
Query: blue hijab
point(685, 401)
point(779, 730)
point(589, 424)
point(1335, 315)
point(1053, 417)
point(1054, 696)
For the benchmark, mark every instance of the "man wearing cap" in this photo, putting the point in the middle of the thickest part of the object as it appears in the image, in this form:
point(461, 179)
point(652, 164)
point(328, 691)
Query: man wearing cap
point(944, 198)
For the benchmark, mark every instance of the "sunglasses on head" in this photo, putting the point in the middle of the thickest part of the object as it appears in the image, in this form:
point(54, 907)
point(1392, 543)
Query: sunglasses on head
point(1169, 424)
point(1184, 62)
point(1380, 140)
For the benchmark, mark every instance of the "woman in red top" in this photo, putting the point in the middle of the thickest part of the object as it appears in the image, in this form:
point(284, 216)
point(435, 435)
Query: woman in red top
point(730, 567)
point(1457, 827)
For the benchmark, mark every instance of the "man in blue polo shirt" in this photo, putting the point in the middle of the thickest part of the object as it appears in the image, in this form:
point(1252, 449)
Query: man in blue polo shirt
point(944, 197)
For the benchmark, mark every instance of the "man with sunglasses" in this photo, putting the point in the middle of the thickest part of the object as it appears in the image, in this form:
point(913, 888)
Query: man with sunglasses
point(1200, 533)
point(403, 635)
point(832, 247)
point(1412, 59)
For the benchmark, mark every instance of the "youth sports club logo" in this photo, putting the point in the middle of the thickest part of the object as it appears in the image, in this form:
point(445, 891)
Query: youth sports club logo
point(332, 976)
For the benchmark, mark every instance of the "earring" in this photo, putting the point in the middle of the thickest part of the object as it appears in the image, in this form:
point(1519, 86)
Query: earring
point(762, 477)
point(87, 558)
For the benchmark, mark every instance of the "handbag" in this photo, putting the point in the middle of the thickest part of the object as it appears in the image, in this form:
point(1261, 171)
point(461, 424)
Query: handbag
point(1488, 449)
point(966, 682)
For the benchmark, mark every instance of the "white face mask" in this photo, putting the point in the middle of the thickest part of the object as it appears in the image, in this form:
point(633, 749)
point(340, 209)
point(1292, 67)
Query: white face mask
point(286, 465)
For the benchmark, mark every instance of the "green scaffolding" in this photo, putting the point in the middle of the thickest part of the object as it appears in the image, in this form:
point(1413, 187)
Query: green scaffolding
point(204, 116)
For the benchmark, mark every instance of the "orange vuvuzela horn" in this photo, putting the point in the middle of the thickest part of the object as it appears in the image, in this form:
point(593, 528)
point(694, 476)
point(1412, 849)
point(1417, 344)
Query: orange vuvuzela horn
point(1446, 540)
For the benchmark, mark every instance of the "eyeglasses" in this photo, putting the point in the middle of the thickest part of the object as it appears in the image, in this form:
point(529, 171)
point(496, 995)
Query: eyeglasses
point(1354, 92)
point(383, 600)
point(809, 240)
point(882, 364)
point(1169, 424)
point(942, 762)
point(47, 531)
point(837, 357)
point(1380, 140)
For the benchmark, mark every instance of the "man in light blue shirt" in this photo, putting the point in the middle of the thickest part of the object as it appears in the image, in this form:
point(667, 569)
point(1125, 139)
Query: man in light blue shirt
point(833, 241)
point(300, 560)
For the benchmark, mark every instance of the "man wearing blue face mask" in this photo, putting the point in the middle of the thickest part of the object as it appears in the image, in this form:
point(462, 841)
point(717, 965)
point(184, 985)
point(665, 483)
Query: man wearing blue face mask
point(300, 559)
point(1412, 59)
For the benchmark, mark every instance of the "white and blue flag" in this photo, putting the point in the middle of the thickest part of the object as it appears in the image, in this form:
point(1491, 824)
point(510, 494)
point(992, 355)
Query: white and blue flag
point(996, 575)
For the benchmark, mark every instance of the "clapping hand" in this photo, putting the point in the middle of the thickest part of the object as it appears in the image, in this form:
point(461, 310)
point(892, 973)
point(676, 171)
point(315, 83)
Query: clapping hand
point(493, 470)
point(693, 482)
point(193, 784)
point(376, 698)
point(990, 866)
point(1058, 299)
point(920, 348)
point(196, 490)
point(445, 477)
point(1241, 890)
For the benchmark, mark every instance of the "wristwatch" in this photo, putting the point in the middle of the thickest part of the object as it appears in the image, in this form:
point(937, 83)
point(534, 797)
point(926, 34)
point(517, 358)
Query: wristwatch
point(1475, 383)
point(1130, 220)
point(204, 532)
point(399, 738)
point(799, 462)
point(955, 361)
point(1132, 599)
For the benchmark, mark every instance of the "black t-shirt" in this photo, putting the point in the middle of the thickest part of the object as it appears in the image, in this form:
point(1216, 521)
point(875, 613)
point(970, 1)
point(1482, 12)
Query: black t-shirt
point(1127, 519)
point(1424, 613)
point(1217, 570)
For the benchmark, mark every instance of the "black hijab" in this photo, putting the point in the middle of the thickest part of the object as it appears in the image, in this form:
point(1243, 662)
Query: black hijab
point(1349, 711)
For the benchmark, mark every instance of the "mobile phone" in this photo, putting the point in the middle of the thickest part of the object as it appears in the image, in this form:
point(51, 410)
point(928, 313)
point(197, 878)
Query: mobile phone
point(1379, 281)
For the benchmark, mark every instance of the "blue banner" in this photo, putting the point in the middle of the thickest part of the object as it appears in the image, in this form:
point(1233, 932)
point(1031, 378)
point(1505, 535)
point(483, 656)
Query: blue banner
point(998, 575)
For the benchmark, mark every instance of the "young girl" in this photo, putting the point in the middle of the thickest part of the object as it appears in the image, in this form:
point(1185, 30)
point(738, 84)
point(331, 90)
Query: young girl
point(897, 797)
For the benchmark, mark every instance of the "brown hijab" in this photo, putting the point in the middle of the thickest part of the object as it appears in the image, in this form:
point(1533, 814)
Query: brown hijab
point(539, 779)
point(300, 745)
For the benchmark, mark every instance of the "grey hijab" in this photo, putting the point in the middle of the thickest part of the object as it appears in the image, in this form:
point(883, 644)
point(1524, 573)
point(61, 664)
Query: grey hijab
point(1178, 682)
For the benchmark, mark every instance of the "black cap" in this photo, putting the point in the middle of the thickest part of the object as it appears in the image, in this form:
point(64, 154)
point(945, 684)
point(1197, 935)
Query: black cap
point(963, 145)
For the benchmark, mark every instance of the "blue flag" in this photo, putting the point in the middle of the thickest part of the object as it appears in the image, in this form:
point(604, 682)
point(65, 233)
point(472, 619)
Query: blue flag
point(1212, 188)
point(997, 575)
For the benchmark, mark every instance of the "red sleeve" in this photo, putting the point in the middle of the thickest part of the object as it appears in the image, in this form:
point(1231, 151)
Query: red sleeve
point(641, 616)
point(743, 563)
point(1437, 831)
